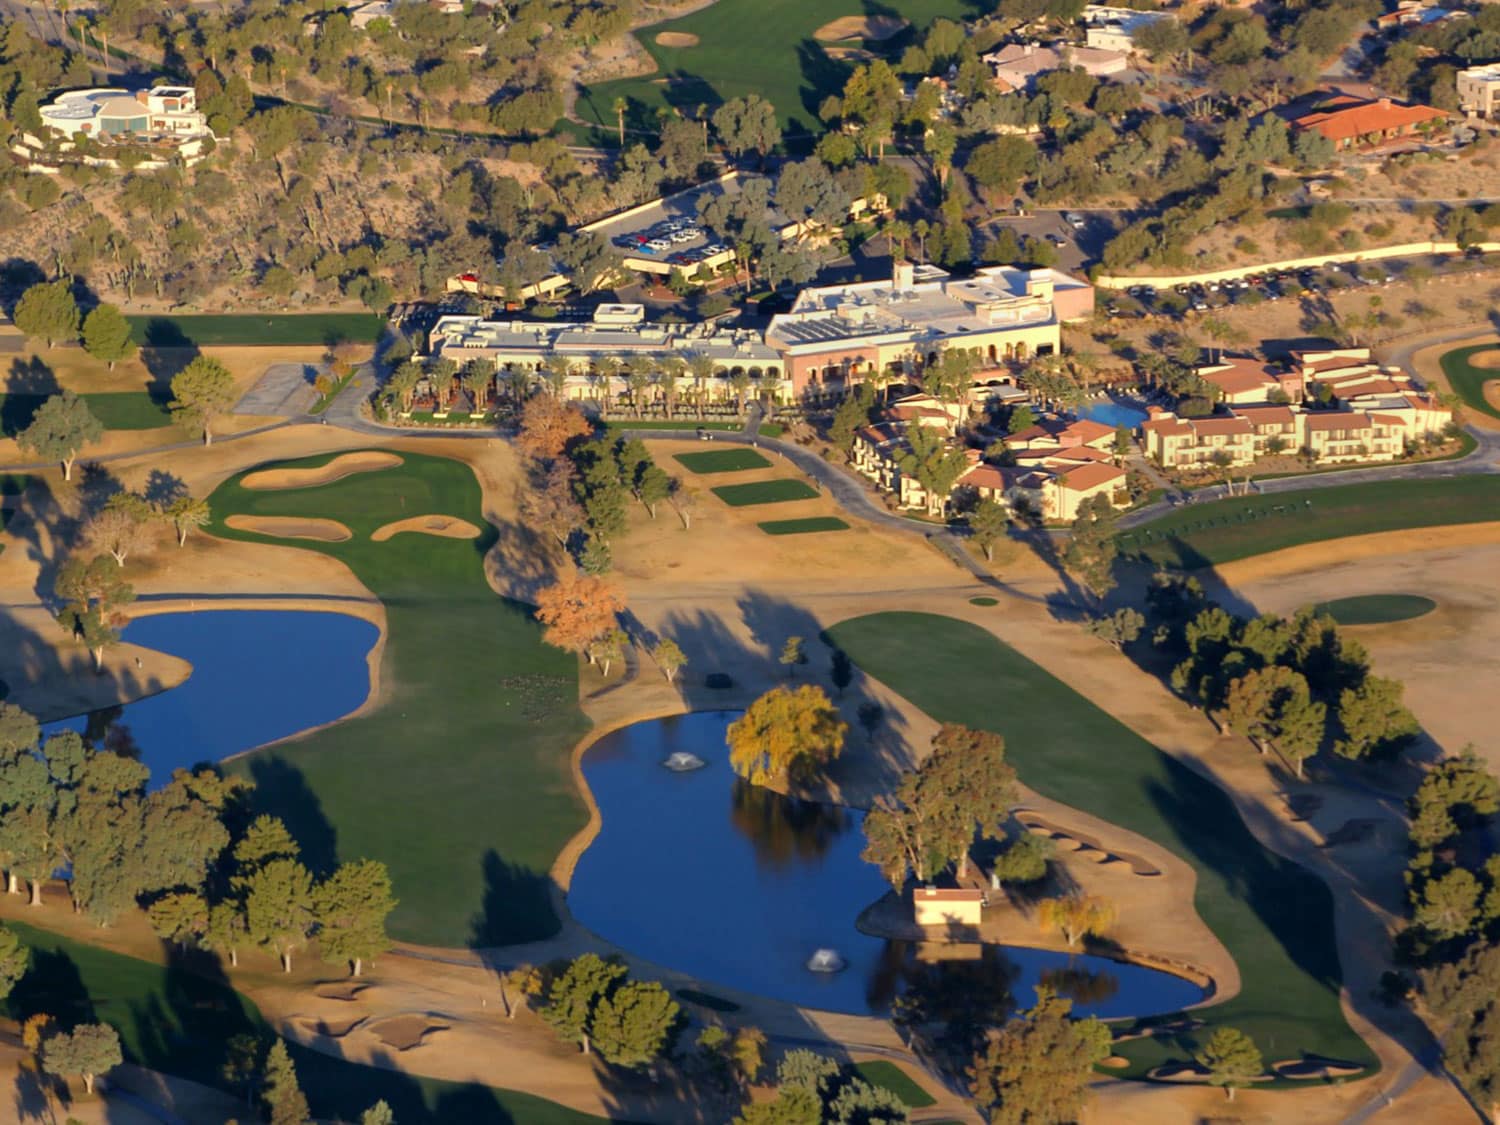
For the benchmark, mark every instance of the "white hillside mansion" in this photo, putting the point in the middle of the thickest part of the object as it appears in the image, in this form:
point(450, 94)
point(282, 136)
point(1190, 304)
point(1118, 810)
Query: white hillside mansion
point(110, 127)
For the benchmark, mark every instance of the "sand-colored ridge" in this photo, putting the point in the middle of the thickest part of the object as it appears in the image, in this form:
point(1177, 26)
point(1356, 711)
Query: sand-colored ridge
point(676, 39)
point(344, 465)
point(874, 28)
point(291, 527)
point(445, 527)
point(341, 990)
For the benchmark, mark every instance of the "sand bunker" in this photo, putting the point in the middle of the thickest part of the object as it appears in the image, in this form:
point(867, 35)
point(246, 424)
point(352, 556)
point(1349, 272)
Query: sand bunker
point(1315, 1068)
point(403, 1033)
point(676, 39)
point(333, 1029)
point(1086, 846)
point(1178, 1072)
point(1115, 1062)
point(874, 28)
point(291, 527)
point(448, 527)
point(1352, 832)
point(342, 990)
point(1301, 806)
point(848, 54)
point(1489, 360)
point(344, 465)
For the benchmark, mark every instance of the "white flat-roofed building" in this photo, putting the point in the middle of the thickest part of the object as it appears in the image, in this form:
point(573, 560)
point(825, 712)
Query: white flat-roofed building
point(1479, 91)
point(164, 121)
point(1113, 29)
point(842, 334)
point(618, 335)
point(1017, 66)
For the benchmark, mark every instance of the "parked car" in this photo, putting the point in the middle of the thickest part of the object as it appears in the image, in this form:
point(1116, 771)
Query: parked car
point(1075, 220)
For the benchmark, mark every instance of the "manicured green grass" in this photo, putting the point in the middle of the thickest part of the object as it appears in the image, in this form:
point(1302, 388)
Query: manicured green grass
point(722, 461)
point(763, 47)
point(254, 329)
point(803, 527)
point(325, 401)
point(459, 778)
point(1275, 918)
point(771, 429)
point(119, 410)
point(1468, 380)
point(1377, 609)
point(180, 1017)
point(764, 492)
point(1226, 530)
point(889, 1076)
point(981, 601)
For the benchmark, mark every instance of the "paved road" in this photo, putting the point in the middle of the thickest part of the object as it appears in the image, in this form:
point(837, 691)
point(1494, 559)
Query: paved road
point(286, 389)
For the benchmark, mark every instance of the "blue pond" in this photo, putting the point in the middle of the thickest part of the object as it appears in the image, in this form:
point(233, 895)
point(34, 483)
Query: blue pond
point(1113, 413)
point(258, 675)
point(734, 884)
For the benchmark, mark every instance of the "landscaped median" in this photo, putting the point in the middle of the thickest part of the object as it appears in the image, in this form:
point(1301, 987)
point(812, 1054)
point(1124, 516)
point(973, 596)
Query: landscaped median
point(1275, 918)
point(458, 777)
point(1237, 528)
point(722, 461)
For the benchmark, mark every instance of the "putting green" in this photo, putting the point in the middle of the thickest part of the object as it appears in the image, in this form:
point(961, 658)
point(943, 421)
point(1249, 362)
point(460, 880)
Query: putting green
point(722, 461)
point(1377, 609)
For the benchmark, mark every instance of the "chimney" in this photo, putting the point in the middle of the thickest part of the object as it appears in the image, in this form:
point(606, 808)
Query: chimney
point(903, 275)
point(1384, 103)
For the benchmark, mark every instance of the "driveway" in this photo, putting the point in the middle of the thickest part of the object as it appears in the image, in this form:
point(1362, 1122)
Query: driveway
point(286, 389)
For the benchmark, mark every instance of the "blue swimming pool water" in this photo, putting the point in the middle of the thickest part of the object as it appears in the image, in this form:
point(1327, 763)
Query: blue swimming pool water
point(1112, 413)
point(258, 676)
point(737, 885)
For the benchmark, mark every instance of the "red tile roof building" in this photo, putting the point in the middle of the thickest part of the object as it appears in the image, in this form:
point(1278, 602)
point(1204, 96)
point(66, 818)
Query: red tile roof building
point(1355, 123)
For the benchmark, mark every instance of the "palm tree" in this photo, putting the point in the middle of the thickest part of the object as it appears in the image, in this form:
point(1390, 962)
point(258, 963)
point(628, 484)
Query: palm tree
point(739, 379)
point(403, 382)
point(619, 108)
point(476, 378)
point(667, 378)
point(702, 367)
point(517, 383)
point(639, 381)
point(606, 371)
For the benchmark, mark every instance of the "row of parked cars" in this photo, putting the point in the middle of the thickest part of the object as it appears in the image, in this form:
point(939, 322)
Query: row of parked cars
point(661, 237)
point(1271, 286)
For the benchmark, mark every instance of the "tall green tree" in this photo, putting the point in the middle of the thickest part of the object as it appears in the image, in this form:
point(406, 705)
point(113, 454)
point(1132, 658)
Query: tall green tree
point(94, 596)
point(14, 957)
point(1375, 721)
point(934, 463)
point(187, 513)
point(48, 310)
point(106, 335)
point(989, 520)
point(285, 1103)
point(1273, 707)
point(1037, 1068)
point(1092, 550)
point(89, 1050)
point(786, 735)
point(1231, 1058)
point(351, 907)
point(633, 1024)
point(60, 429)
point(576, 993)
point(279, 908)
point(201, 393)
point(747, 124)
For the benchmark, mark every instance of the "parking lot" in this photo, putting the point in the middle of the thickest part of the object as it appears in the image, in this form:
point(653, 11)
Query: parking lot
point(680, 242)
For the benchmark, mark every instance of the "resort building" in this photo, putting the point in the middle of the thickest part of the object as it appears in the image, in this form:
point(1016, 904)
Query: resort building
point(596, 359)
point(84, 126)
point(1114, 29)
point(838, 335)
point(1354, 123)
point(1186, 443)
point(1238, 379)
point(1479, 91)
point(1017, 66)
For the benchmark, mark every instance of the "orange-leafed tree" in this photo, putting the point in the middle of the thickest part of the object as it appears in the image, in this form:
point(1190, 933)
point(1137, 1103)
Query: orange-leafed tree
point(786, 735)
point(578, 610)
point(547, 425)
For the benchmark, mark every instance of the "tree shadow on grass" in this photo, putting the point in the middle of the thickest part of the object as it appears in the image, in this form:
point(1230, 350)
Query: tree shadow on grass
point(52, 985)
point(514, 897)
point(281, 790)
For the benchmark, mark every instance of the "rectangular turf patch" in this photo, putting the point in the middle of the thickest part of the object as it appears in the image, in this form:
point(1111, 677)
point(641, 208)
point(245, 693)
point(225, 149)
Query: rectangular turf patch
point(764, 492)
point(722, 461)
point(803, 527)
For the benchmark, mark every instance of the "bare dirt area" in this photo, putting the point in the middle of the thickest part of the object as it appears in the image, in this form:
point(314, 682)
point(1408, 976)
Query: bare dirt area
point(445, 527)
point(874, 28)
point(676, 39)
point(344, 465)
point(289, 527)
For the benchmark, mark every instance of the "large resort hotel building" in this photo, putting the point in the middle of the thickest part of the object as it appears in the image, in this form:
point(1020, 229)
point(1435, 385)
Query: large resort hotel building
point(833, 337)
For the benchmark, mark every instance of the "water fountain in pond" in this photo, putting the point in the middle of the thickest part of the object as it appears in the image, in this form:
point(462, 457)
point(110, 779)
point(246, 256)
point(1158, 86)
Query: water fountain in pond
point(680, 761)
point(826, 961)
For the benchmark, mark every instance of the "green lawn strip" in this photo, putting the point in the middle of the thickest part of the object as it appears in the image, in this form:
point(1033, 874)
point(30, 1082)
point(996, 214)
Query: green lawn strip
point(1275, 918)
point(983, 601)
point(617, 424)
point(763, 47)
point(459, 779)
point(1468, 380)
point(803, 527)
point(325, 401)
point(889, 1076)
point(254, 329)
point(765, 492)
point(116, 410)
point(1377, 609)
point(771, 429)
point(179, 1021)
point(722, 461)
point(1238, 528)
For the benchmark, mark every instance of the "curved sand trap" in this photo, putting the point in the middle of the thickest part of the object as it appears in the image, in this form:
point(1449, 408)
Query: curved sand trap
point(1489, 360)
point(1087, 844)
point(676, 39)
point(1115, 1062)
point(344, 465)
point(1178, 1072)
point(291, 527)
point(447, 527)
point(1314, 1067)
point(402, 1033)
point(1355, 831)
point(349, 990)
point(874, 28)
point(332, 1029)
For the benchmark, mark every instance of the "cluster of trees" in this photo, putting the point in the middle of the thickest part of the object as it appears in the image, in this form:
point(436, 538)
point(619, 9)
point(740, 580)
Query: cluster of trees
point(592, 1002)
point(49, 311)
point(962, 790)
point(812, 1088)
point(1294, 684)
point(188, 852)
